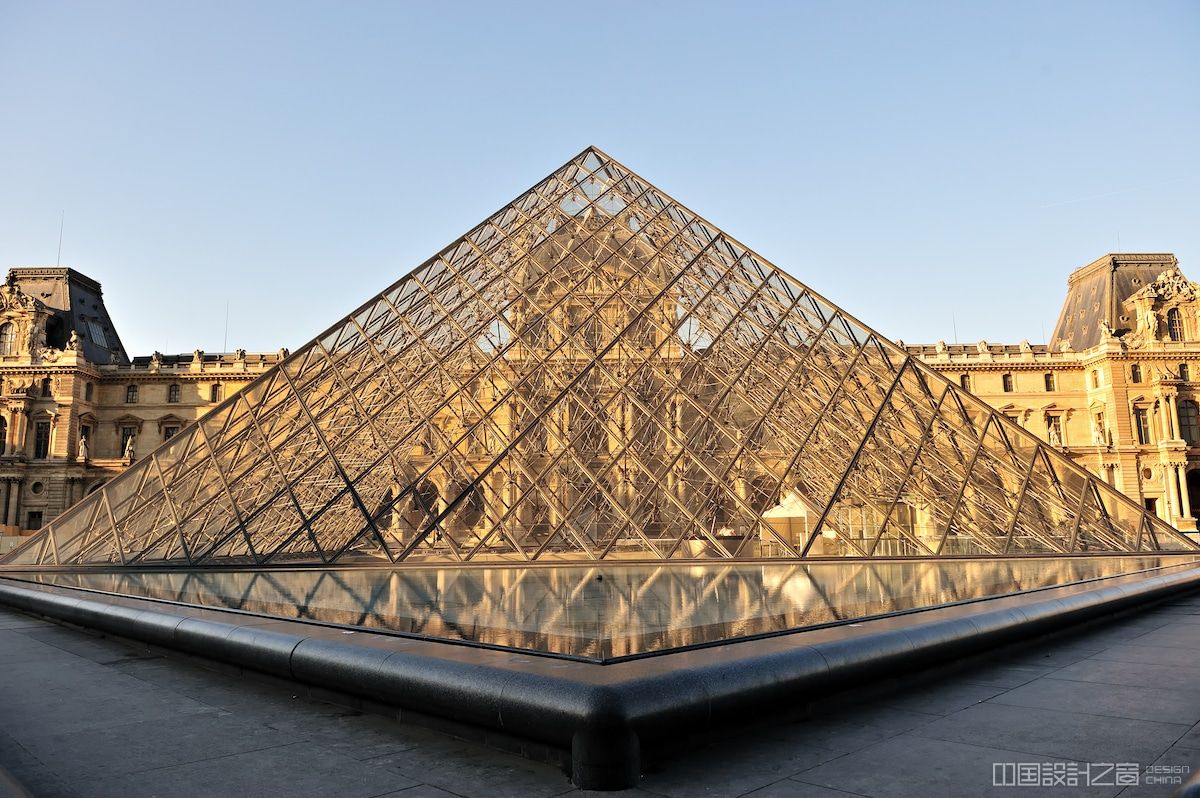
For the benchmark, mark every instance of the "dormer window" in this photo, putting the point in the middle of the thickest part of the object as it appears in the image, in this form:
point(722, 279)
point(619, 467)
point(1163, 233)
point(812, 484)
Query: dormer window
point(1174, 324)
point(97, 334)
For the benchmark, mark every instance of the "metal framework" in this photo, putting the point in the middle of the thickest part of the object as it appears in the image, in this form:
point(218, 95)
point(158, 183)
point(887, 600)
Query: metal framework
point(596, 372)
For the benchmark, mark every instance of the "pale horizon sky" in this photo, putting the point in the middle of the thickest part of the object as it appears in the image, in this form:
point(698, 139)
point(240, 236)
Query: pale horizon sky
point(925, 165)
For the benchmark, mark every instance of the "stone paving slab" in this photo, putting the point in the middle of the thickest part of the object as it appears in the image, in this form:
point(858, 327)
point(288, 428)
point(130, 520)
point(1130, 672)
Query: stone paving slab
point(84, 716)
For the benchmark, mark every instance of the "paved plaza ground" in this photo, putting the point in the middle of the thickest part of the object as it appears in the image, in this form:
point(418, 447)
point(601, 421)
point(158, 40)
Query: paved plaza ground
point(88, 716)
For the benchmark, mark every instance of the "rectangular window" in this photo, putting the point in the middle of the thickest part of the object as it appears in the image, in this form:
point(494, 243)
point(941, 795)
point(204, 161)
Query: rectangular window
point(1054, 430)
point(1135, 373)
point(88, 391)
point(131, 392)
point(964, 382)
point(1008, 383)
point(1141, 425)
point(169, 432)
point(1048, 378)
point(34, 520)
point(127, 433)
point(173, 393)
point(41, 440)
point(1189, 422)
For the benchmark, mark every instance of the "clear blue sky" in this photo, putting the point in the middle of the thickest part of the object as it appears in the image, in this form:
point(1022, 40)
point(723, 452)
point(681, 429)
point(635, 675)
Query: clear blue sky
point(908, 160)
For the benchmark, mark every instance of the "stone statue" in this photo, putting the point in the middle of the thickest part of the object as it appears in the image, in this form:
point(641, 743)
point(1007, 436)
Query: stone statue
point(1099, 437)
point(1055, 438)
point(941, 347)
point(82, 452)
point(1064, 346)
point(130, 451)
point(982, 347)
point(156, 359)
point(74, 343)
point(1106, 330)
point(239, 354)
point(1152, 325)
point(283, 353)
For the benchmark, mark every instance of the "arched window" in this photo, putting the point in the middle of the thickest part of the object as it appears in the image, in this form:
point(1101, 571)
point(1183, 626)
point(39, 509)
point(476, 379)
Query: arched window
point(1189, 422)
point(1135, 373)
point(1185, 374)
point(8, 339)
point(1174, 324)
point(131, 392)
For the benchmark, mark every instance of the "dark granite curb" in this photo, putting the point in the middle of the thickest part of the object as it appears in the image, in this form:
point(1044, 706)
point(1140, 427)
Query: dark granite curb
point(10, 787)
point(605, 714)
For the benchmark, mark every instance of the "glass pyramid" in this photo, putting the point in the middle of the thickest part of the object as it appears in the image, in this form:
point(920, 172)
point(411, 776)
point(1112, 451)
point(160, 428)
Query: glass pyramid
point(596, 372)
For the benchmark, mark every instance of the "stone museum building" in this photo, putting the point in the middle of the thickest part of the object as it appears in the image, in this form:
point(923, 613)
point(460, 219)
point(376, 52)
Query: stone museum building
point(75, 409)
point(1114, 387)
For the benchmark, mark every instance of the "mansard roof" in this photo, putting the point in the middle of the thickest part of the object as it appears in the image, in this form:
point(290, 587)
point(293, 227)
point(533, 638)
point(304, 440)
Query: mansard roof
point(1096, 295)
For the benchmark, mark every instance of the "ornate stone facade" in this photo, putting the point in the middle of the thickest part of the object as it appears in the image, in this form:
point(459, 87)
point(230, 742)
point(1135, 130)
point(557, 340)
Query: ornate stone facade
point(1114, 388)
point(75, 410)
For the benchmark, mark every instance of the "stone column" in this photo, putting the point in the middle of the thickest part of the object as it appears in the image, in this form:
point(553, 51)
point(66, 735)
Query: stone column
point(1185, 499)
point(1164, 428)
point(7, 493)
point(18, 429)
point(1173, 491)
point(14, 500)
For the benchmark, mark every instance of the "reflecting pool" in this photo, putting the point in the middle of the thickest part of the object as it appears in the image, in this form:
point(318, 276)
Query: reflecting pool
point(606, 612)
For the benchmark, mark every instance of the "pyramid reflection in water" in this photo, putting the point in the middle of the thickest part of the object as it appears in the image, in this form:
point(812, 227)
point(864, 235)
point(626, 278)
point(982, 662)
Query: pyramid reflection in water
point(596, 372)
